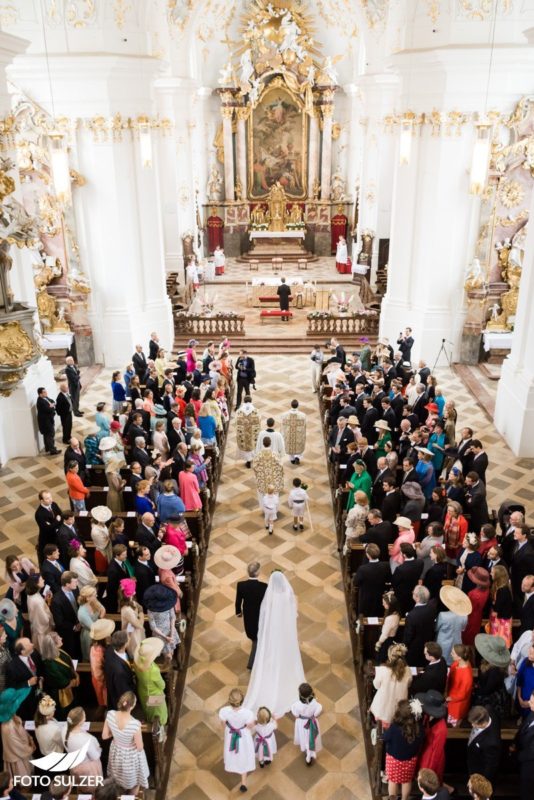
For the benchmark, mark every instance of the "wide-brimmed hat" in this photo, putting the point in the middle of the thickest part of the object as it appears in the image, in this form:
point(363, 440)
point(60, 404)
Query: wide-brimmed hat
point(353, 420)
point(412, 490)
point(382, 425)
point(115, 464)
point(160, 410)
point(433, 703)
point(8, 609)
point(167, 557)
point(147, 651)
point(403, 522)
point(10, 700)
point(107, 443)
point(424, 450)
point(456, 600)
point(47, 706)
point(101, 513)
point(479, 576)
point(158, 598)
point(432, 407)
point(493, 649)
point(101, 629)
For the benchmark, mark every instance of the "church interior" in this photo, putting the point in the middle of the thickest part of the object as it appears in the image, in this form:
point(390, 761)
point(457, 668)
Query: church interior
point(267, 201)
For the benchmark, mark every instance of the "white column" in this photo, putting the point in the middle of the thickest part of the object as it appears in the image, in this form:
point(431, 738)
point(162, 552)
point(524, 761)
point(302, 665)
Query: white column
point(514, 407)
point(242, 148)
point(313, 157)
point(229, 190)
point(326, 155)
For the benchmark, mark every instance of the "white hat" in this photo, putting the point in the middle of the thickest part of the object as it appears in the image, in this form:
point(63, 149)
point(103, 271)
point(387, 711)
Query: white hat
point(424, 450)
point(382, 425)
point(403, 522)
point(101, 513)
point(107, 443)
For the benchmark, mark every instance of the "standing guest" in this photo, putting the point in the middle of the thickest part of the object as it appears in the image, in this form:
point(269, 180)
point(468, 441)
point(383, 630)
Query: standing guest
point(139, 362)
point(5, 658)
point(46, 413)
point(169, 505)
point(144, 572)
point(488, 539)
point(455, 527)
point(413, 499)
point(76, 738)
point(360, 482)
point(433, 579)
point(120, 677)
point(25, 669)
point(434, 675)
point(452, 622)
point(390, 626)
point(525, 683)
point(392, 681)
point(142, 503)
point(116, 484)
point(479, 597)
point(434, 538)
point(60, 676)
point(90, 610)
point(500, 618)
point(101, 631)
point(284, 293)
point(484, 744)
point(80, 565)
point(150, 684)
point(430, 787)
point(132, 617)
point(378, 532)
point(64, 609)
point(527, 610)
point(307, 734)
point(127, 763)
point(425, 471)
point(72, 373)
point(40, 616)
point(479, 459)
point(146, 536)
point(317, 359)
point(522, 562)
point(76, 490)
point(118, 392)
point(118, 569)
point(355, 519)
point(468, 559)
point(435, 727)
point(160, 602)
point(128, 375)
point(64, 410)
point(370, 580)
point(459, 685)
point(406, 577)
point(405, 342)
point(17, 744)
point(403, 741)
point(525, 746)
point(248, 601)
point(11, 621)
point(419, 626)
point(48, 518)
point(100, 537)
point(237, 722)
point(18, 571)
point(167, 559)
point(102, 420)
point(189, 488)
point(406, 535)
point(74, 452)
point(47, 729)
point(475, 501)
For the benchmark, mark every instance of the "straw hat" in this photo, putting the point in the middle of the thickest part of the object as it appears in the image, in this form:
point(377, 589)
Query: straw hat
point(47, 706)
point(10, 700)
point(403, 522)
point(159, 598)
point(412, 490)
point(433, 703)
point(455, 600)
point(101, 513)
point(382, 425)
point(167, 557)
point(107, 443)
point(479, 576)
point(353, 420)
point(493, 649)
point(147, 651)
point(101, 629)
point(8, 609)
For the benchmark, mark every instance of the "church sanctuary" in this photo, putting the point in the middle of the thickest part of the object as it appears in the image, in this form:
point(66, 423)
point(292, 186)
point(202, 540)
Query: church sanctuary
point(266, 399)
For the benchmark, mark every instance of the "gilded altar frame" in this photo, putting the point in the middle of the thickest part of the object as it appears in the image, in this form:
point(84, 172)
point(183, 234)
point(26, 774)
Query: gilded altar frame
point(278, 87)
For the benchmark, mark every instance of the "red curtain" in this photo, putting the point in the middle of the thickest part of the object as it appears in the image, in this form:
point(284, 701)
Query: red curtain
point(215, 233)
point(338, 227)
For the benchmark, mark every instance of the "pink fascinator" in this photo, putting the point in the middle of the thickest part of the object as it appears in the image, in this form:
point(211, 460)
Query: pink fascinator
point(128, 587)
point(74, 544)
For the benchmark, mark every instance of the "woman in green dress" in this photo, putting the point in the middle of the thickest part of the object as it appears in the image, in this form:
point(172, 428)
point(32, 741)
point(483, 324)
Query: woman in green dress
point(150, 684)
point(384, 436)
point(12, 622)
point(60, 676)
point(360, 481)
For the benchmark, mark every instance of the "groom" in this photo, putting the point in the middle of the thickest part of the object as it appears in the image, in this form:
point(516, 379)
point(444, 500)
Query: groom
point(247, 605)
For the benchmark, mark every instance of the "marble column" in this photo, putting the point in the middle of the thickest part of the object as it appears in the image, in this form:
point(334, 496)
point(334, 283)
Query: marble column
point(514, 407)
point(326, 153)
point(228, 143)
point(313, 155)
point(242, 114)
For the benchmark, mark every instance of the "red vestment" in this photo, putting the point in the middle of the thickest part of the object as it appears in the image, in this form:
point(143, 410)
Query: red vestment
point(215, 227)
point(338, 227)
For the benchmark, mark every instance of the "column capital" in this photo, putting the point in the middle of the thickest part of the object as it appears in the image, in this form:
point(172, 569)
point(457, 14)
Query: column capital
point(227, 112)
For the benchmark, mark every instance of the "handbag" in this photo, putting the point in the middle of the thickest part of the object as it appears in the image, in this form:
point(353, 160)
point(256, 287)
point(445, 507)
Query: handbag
point(65, 697)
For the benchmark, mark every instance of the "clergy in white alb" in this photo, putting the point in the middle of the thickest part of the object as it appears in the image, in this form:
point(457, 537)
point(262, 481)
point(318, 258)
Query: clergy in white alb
point(277, 440)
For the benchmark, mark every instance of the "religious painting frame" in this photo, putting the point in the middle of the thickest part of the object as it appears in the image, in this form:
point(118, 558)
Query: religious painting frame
point(278, 143)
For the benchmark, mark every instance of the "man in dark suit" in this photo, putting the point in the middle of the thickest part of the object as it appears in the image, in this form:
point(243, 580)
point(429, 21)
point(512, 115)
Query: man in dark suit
point(146, 535)
point(367, 455)
point(522, 563)
point(369, 420)
point(525, 746)
point(23, 670)
point(64, 410)
point(419, 627)
point(144, 571)
point(379, 532)
point(139, 361)
point(371, 580)
point(397, 403)
point(179, 460)
point(136, 429)
point(475, 501)
point(64, 608)
point(72, 373)
point(391, 501)
point(484, 743)
point(116, 573)
point(74, 452)
point(383, 474)
point(423, 372)
point(419, 404)
point(430, 786)
point(249, 597)
point(176, 434)
point(140, 453)
point(66, 533)
point(479, 460)
point(508, 543)
point(46, 413)
point(48, 518)
point(406, 576)
point(527, 609)
point(119, 674)
point(435, 672)
point(284, 293)
point(464, 453)
point(339, 438)
point(405, 342)
point(153, 346)
point(246, 375)
point(409, 474)
point(51, 568)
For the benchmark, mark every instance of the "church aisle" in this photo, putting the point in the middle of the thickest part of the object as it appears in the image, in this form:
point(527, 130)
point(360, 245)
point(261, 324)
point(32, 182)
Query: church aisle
point(220, 649)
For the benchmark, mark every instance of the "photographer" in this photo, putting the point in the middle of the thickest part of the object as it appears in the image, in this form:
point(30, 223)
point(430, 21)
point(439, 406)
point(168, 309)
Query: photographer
point(405, 342)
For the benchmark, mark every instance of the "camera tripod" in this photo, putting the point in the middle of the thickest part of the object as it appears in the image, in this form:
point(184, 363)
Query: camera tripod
point(444, 351)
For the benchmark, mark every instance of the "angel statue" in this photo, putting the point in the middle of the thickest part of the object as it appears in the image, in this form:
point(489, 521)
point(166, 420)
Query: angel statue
point(475, 276)
point(247, 68)
point(310, 75)
point(291, 32)
point(337, 188)
point(226, 75)
point(254, 94)
point(214, 187)
point(329, 72)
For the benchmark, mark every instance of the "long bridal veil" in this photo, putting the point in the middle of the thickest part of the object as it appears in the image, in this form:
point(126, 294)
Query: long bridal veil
point(277, 671)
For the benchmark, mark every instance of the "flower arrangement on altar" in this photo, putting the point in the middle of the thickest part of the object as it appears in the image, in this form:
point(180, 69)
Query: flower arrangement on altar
point(343, 302)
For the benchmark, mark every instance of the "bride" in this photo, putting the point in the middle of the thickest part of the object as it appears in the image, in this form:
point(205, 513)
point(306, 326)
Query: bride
point(277, 671)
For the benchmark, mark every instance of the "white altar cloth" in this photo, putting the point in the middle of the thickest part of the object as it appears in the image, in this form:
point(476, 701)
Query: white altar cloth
point(57, 341)
point(277, 234)
point(498, 341)
point(274, 280)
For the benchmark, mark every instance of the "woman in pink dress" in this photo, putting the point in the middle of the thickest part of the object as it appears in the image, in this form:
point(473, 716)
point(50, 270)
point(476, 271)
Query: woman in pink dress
point(406, 534)
point(189, 488)
point(191, 355)
point(167, 559)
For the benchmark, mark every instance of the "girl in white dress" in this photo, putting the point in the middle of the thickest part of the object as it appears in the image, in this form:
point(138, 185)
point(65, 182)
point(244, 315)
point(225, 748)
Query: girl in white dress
point(238, 742)
point(264, 736)
point(270, 503)
point(298, 497)
point(306, 711)
point(127, 763)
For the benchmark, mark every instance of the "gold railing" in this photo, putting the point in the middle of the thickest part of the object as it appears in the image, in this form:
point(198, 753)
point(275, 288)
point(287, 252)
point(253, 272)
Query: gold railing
point(216, 325)
point(341, 324)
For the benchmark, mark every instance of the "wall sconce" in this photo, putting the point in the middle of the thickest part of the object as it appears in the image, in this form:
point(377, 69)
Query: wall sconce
point(480, 161)
point(59, 164)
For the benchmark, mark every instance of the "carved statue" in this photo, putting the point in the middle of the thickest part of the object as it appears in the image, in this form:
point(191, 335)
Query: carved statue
point(509, 299)
point(291, 32)
point(51, 320)
point(328, 75)
point(497, 321)
point(316, 189)
point(238, 191)
point(49, 214)
point(226, 75)
point(475, 277)
point(247, 69)
point(337, 186)
point(214, 187)
point(295, 216)
point(277, 207)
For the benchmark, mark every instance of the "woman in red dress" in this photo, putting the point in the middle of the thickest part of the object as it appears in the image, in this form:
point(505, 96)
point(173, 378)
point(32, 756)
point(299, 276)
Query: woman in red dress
point(435, 725)
point(459, 685)
point(479, 597)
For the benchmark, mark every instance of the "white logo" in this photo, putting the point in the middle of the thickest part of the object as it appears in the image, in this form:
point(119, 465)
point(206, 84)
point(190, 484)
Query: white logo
point(60, 762)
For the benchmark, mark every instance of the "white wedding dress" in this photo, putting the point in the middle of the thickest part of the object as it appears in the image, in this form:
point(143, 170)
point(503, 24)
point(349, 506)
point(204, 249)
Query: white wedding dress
point(277, 672)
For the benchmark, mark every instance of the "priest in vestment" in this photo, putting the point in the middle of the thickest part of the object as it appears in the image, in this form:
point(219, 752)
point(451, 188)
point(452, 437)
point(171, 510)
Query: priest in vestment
point(342, 255)
point(268, 470)
point(294, 432)
point(215, 226)
point(247, 429)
